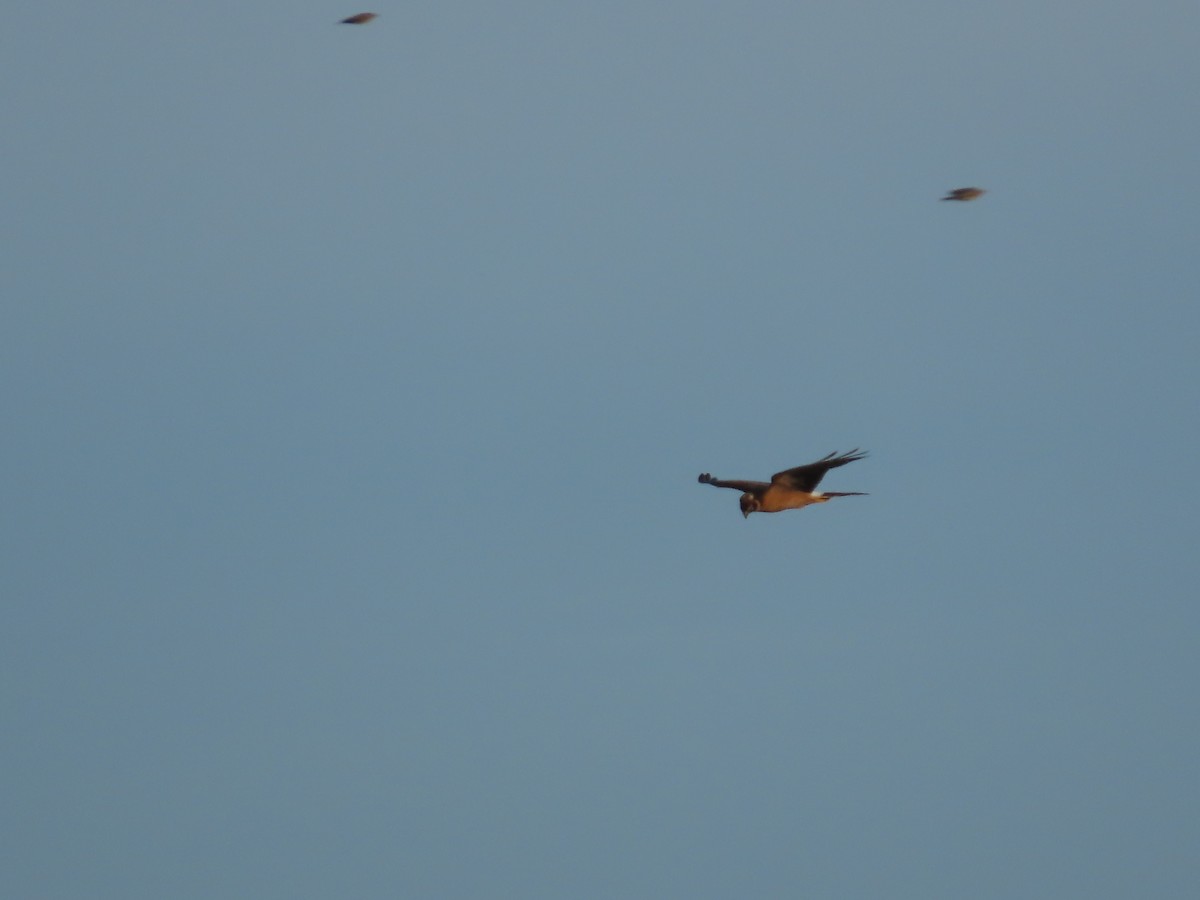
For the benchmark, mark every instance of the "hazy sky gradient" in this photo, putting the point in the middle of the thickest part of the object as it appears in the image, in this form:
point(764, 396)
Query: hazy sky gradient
point(357, 379)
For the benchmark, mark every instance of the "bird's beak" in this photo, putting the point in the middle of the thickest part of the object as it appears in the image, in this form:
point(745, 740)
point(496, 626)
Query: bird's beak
point(745, 513)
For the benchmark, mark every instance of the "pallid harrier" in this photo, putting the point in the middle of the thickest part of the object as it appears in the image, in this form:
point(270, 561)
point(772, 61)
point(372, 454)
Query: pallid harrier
point(790, 489)
point(359, 19)
point(965, 194)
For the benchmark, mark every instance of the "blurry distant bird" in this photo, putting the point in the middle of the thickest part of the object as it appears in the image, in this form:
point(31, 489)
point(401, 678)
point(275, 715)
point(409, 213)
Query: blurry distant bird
point(359, 19)
point(790, 489)
point(965, 194)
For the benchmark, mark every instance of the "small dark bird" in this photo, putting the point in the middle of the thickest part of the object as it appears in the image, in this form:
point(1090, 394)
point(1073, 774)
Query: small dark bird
point(790, 489)
point(965, 194)
point(359, 19)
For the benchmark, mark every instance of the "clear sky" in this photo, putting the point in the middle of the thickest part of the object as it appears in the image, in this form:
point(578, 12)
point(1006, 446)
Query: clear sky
point(355, 384)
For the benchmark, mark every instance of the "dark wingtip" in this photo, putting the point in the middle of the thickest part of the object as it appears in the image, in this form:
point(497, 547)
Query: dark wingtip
point(705, 478)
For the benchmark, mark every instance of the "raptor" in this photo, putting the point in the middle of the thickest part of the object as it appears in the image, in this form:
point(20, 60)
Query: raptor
point(965, 194)
point(791, 488)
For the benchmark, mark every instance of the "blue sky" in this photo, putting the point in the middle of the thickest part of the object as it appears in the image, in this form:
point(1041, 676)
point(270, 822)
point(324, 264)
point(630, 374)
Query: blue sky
point(357, 381)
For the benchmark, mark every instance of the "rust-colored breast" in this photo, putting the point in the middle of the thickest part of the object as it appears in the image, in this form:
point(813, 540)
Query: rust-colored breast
point(777, 499)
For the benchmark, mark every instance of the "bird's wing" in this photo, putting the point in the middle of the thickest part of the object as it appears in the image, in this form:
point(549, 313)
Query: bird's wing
point(746, 487)
point(806, 478)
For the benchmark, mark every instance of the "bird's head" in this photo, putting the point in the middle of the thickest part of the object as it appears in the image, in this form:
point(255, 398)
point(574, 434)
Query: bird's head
point(749, 504)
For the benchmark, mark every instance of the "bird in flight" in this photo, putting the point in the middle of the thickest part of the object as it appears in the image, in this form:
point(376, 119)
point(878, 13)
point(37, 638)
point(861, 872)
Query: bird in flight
point(791, 488)
point(359, 19)
point(971, 193)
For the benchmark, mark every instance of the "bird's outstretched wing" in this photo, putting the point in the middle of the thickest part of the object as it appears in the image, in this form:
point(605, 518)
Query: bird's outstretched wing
point(806, 478)
point(746, 487)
